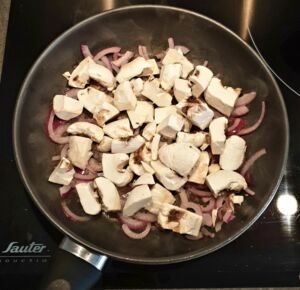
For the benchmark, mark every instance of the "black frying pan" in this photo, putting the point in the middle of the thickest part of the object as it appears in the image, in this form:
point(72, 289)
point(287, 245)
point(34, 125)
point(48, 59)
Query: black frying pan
point(127, 27)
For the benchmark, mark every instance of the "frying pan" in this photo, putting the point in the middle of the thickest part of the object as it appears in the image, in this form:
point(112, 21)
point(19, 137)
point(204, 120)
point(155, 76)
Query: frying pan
point(150, 25)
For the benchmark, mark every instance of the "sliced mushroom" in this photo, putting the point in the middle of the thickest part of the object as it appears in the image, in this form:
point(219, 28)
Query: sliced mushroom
point(63, 173)
point(170, 126)
point(80, 75)
point(143, 113)
point(105, 144)
point(200, 170)
point(132, 69)
point(113, 168)
point(149, 131)
point(197, 139)
point(118, 129)
point(127, 146)
point(144, 179)
point(167, 177)
point(124, 98)
point(104, 112)
point(169, 73)
point(155, 146)
point(88, 198)
point(102, 75)
point(180, 157)
point(109, 194)
point(88, 129)
point(66, 108)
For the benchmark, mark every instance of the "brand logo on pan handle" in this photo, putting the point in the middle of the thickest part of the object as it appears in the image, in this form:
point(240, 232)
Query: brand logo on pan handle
point(32, 248)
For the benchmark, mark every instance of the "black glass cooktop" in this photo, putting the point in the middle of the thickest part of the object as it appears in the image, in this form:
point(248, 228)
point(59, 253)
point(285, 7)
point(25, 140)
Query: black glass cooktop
point(268, 254)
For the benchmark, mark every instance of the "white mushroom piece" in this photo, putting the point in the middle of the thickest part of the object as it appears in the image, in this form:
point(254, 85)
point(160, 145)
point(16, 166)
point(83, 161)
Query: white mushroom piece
point(179, 220)
point(79, 151)
point(92, 98)
point(233, 154)
point(149, 131)
point(104, 112)
point(118, 129)
point(170, 126)
point(127, 146)
point(169, 179)
point(108, 193)
point(102, 75)
point(80, 77)
point(144, 179)
point(88, 198)
point(143, 113)
point(153, 92)
point(152, 69)
point(124, 98)
point(182, 89)
point(180, 157)
point(105, 144)
point(113, 168)
point(63, 173)
point(138, 198)
point(200, 79)
point(225, 180)
point(137, 86)
point(160, 196)
point(217, 135)
point(197, 112)
point(221, 98)
point(162, 113)
point(66, 108)
point(174, 56)
point(197, 139)
point(132, 69)
point(138, 161)
point(169, 73)
point(92, 131)
point(200, 170)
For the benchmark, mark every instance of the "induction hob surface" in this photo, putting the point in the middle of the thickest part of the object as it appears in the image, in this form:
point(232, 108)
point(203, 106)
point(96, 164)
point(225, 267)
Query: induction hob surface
point(268, 254)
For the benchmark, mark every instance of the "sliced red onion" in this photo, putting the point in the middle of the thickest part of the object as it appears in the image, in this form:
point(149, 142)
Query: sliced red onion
point(206, 199)
point(105, 51)
point(116, 55)
point(227, 215)
point(55, 158)
point(145, 52)
point(55, 136)
point(65, 190)
point(85, 51)
point(146, 217)
point(236, 127)
point(193, 238)
point(205, 63)
point(123, 59)
point(251, 160)
point(132, 223)
point(171, 42)
point(257, 123)
point(94, 166)
point(115, 68)
point(183, 48)
point(134, 235)
point(240, 111)
point(245, 99)
point(209, 207)
point(199, 192)
point(106, 62)
point(72, 93)
point(207, 233)
point(141, 51)
point(219, 202)
point(207, 219)
point(249, 191)
point(194, 206)
point(71, 215)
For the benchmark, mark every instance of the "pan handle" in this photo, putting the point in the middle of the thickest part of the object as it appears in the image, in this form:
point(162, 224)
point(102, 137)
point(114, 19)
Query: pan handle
point(73, 267)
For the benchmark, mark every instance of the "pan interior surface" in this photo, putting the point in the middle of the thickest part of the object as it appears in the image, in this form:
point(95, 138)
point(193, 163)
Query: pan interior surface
point(128, 27)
